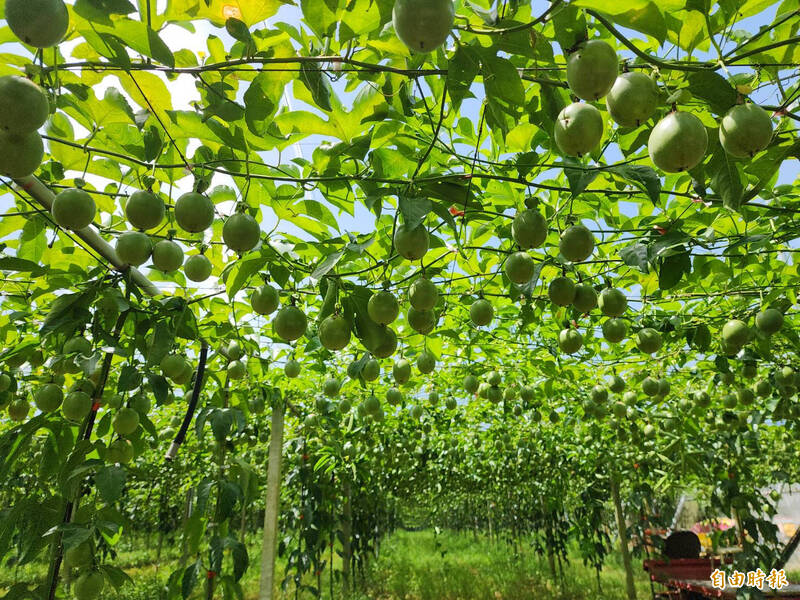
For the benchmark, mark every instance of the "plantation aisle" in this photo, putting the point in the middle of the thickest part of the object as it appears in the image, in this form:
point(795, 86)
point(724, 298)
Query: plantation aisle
point(281, 278)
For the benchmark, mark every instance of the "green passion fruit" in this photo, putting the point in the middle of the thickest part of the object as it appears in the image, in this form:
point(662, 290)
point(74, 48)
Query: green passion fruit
point(383, 307)
point(134, 248)
point(20, 154)
point(401, 371)
point(632, 99)
point(650, 386)
point(735, 334)
point(173, 365)
point(423, 25)
point(167, 256)
point(18, 409)
point(79, 557)
point(470, 383)
point(241, 232)
point(290, 323)
point(334, 332)
point(592, 70)
point(76, 406)
point(426, 362)
point(576, 243)
point(648, 340)
point(585, 298)
point(561, 291)
point(144, 210)
point(617, 384)
point(38, 23)
point(194, 212)
point(89, 586)
point(423, 294)
point(236, 370)
point(411, 244)
point(481, 312)
point(197, 268)
point(519, 268)
point(381, 341)
point(570, 341)
point(331, 387)
point(769, 321)
point(529, 229)
point(393, 397)
point(614, 330)
point(678, 142)
point(23, 105)
point(48, 397)
point(745, 130)
point(291, 368)
point(371, 370)
point(421, 321)
point(125, 421)
point(578, 129)
point(264, 300)
point(612, 302)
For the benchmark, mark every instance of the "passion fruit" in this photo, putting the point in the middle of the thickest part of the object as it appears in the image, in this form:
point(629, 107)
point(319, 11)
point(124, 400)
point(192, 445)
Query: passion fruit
point(745, 130)
point(570, 341)
point(23, 105)
point(614, 330)
point(383, 307)
point(617, 384)
point(769, 321)
point(290, 323)
point(426, 362)
point(144, 210)
point(393, 397)
point(331, 387)
point(481, 312)
point(585, 298)
point(197, 268)
point(421, 321)
point(735, 334)
point(578, 129)
point(576, 243)
point(371, 370)
point(18, 409)
point(89, 586)
point(125, 421)
point(633, 99)
point(613, 302)
point(76, 406)
point(48, 397)
point(648, 340)
point(134, 248)
point(519, 268)
point(561, 291)
point(292, 368)
point(264, 300)
point(381, 342)
point(423, 25)
point(470, 383)
point(592, 70)
point(529, 229)
point(167, 256)
point(241, 232)
point(423, 294)
point(334, 332)
point(236, 370)
point(650, 386)
point(38, 23)
point(678, 142)
point(20, 154)
point(401, 371)
point(411, 244)
point(194, 212)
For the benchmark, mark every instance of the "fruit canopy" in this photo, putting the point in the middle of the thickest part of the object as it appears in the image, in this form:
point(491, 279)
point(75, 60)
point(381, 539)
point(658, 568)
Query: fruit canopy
point(309, 195)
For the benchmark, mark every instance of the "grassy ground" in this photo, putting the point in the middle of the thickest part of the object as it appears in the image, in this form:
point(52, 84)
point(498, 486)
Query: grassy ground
point(416, 566)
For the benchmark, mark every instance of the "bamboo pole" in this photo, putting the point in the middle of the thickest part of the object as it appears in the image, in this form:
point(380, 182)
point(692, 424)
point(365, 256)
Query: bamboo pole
point(623, 540)
point(269, 544)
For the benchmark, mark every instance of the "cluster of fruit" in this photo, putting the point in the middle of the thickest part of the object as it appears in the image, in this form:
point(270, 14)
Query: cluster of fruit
point(678, 142)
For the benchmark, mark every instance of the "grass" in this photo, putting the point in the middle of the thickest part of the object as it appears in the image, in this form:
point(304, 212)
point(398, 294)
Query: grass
point(415, 566)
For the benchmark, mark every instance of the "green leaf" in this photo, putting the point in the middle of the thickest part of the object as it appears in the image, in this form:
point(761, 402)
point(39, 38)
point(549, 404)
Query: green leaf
point(326, 264)
point(569, 23)
point(672, 269)
point(462, 69)
point(714, 89)
point(190, 577)
point(643, 177)
point(319, 86)
point(110, 481)
point(640, 15)
point(502, 83)
point(20, 265)
point(238, 30)
point(636, 255)
point(725, 178)
point(414, 210)
point(578, 179)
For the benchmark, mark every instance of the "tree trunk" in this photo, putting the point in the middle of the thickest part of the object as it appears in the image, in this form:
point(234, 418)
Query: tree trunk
point(269, 544)
point(623, 540)
point(347, 532)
